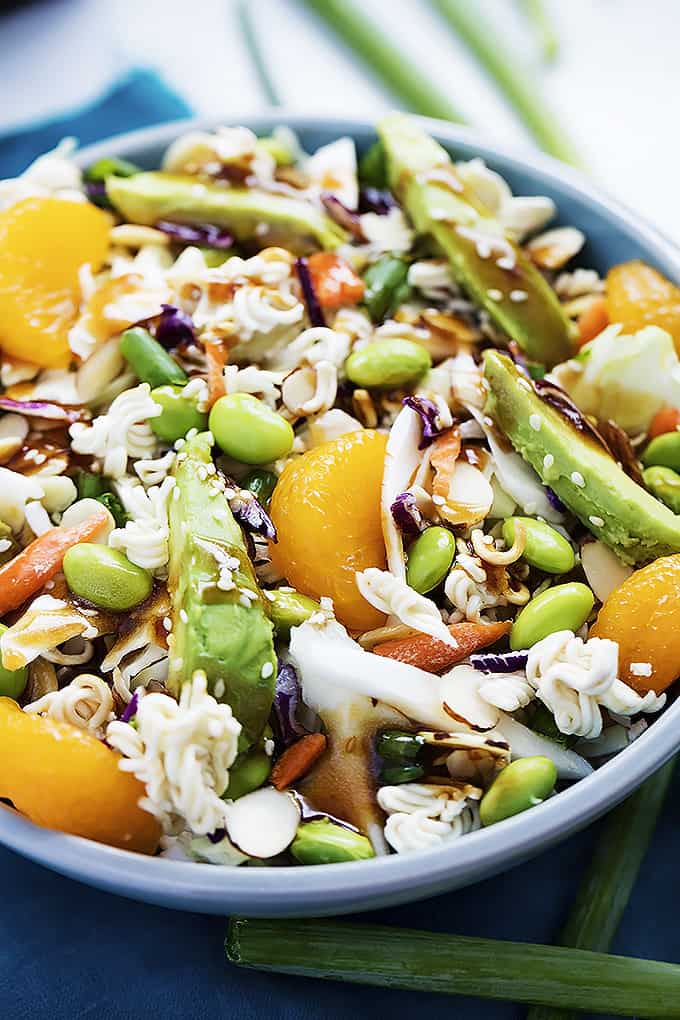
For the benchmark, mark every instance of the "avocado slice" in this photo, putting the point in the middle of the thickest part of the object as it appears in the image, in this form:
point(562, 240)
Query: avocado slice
point(585, 477)
point(222, 632)
point(491, 267)
point(147, 198)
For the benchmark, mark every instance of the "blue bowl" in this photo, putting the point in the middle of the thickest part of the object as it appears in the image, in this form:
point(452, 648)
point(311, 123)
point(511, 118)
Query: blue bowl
point(614, 235)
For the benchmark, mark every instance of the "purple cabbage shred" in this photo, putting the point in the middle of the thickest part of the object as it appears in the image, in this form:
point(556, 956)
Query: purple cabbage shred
point(375, 200)
point(314, 310)
point(429, 417)
point(40, 409)
point(286, 702)
point(406, 514)
point(495, 662)
point(130, 709)
point(252, 516)
point(217, 836)
point(555, 501)
point(343, 216)
point(96, 191)
point(207, 234)
point(174, 327)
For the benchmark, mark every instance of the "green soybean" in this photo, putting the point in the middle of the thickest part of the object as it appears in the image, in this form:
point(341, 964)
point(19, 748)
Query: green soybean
point(149, 361)
point(110, 166)
point(545, 548)
point(246, 429)
point(262, 483)
point(398, 744)
point(12, 681)
point(325, 842)
point(429, 559)
point(521, 785)
point(564, 607)
point(386, 283)
point(663, 450)
point(385, 364)
point(289, 609)
point(249, 774)
point(393, 774)
point(664, 483)
point(179, 414)
point(105, 577)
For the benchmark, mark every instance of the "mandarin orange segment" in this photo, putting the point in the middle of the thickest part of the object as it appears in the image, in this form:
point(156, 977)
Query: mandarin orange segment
point(44, 242)
point(326, 509)
point(64, 778)
point(638, 296)
point(643, 616)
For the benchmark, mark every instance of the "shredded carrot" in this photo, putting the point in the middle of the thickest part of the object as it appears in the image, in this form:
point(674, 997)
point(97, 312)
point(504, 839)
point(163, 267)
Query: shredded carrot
point(335, 282)
point(592, 321)
point(216, 356)
point(445, 451)
point(297, 760)
point(665, 420)
point(434, 656)
point(26, 574)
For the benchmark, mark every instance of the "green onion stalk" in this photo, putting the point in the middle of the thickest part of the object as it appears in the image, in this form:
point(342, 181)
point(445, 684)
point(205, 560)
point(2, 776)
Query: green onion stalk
point(519, 88)
point(535, 12)
point(391, 65)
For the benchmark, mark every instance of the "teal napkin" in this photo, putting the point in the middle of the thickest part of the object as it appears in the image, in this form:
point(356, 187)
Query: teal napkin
point(136, 100)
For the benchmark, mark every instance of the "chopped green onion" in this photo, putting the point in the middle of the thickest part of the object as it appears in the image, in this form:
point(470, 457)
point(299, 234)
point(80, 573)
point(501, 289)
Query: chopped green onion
point(247, 27)
point(610, 879)
point(390, 64)
point(521, 91)
point(535, 12)
point(455, 965)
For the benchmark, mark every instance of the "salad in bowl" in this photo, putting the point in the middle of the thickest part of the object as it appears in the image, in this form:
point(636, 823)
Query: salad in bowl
point(338, 501)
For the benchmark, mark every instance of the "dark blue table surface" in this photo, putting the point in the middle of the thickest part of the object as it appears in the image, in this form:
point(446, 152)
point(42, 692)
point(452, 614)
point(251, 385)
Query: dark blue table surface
point(69, 952)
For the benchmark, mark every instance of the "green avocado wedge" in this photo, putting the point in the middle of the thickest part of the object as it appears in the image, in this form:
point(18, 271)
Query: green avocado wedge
point(585, 477)
point(148, 198)
point(488, 265)
point(215, 627)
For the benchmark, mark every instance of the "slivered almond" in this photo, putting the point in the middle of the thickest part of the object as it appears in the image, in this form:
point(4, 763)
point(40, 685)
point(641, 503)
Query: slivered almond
point(430, 654)
point(298, 759)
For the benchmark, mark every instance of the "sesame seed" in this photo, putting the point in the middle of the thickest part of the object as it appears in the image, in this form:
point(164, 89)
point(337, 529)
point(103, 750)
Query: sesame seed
point(219, 688)
point(167, 623)
point(269, 747)
point(548, 461)
point(535, 422)
point(596, 521)
point(505, 263)
point(578, 479)
point(641, 668)
point(518, 295)
point(494, 294)
point(267, 670)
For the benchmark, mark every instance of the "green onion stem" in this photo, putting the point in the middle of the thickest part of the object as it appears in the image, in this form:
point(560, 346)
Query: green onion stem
point(535, 12)
point(520, 90)
point(607, 885)
point(247, 27)
point(390, 64)
point(454, 965)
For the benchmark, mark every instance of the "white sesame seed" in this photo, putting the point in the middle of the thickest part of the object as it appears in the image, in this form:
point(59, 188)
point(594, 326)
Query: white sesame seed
point(548, 461)
point(267, 670)
point(518, 295)
point(641, 668)
point(505, 262)
point(578, 479)
point(219, 688)
point(596, 521)
point(535, 422)
point(438, 500)
point(269, 747)
point(167, 623)
point(494, 294)
point(191, 433)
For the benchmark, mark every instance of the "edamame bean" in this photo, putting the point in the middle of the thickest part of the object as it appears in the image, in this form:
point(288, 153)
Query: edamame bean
point(110, 166)
point(246, 429)
point(149, 361)
point(385, 364)
point(522, 784)
point(325, 842)
point(663, 450)
point(105, 577)
point(248, 775)
point(261, 483)
point(398, 744)
point(429, 559)
point(545, 549)
point(564, 607)
point(393, 774)
point(664, 483)
point(289, 609)
point(386, 284)
point(179, 414)
point(12, 681)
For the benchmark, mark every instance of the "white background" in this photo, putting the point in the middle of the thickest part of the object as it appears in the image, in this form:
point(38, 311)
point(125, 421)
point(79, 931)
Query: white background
point(615, 87)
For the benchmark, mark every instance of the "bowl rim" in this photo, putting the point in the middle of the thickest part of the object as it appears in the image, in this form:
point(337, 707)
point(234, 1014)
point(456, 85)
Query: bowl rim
point(363, 885)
